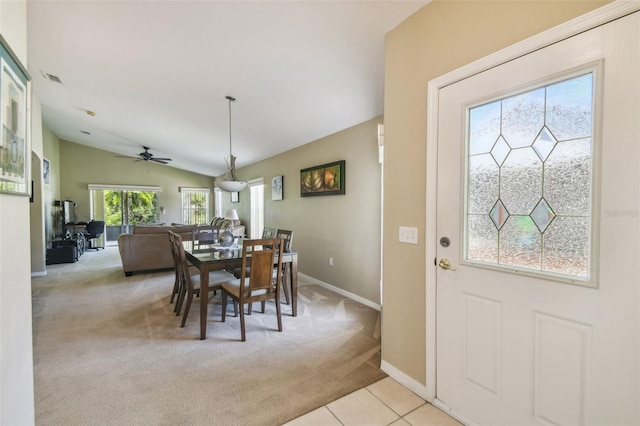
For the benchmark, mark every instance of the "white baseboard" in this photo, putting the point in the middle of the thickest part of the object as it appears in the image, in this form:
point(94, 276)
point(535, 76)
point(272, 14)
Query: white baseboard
point(38, 274)
point(335, 289)
point(406, 381)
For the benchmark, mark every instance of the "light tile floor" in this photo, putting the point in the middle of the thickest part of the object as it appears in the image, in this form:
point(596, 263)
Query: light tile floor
point(386, 402)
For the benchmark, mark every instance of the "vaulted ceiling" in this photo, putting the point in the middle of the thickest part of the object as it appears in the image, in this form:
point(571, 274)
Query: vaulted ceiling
point(156, 73)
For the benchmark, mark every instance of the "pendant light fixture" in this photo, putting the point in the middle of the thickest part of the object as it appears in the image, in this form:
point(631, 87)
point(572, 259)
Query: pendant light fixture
point(229, 182)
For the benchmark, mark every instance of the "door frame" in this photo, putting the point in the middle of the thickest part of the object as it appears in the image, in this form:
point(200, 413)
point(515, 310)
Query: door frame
point(595, 18)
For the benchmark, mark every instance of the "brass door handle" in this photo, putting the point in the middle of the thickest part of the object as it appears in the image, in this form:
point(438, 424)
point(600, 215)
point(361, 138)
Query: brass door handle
point(446, 264)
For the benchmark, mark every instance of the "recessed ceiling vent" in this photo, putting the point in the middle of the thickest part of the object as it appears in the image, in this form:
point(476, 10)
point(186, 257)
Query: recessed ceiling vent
point(52, 77)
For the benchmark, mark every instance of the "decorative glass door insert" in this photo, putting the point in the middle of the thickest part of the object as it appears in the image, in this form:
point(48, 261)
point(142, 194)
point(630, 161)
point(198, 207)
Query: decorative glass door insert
point(529, 180)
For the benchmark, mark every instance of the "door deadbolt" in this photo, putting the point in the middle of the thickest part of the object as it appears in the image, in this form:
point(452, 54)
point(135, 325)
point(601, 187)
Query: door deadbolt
point(444, 241)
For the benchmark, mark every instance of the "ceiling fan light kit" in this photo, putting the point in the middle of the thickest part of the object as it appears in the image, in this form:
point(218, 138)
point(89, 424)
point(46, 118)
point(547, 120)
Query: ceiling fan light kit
point(229, 182)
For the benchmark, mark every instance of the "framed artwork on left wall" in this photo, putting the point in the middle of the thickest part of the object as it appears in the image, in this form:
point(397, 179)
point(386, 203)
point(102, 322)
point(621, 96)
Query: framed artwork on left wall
point(276, 188)
point(15, 124)
point(45, 170)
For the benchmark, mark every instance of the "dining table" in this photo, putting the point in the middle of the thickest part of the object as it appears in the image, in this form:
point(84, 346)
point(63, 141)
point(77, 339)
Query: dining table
point(217, 258)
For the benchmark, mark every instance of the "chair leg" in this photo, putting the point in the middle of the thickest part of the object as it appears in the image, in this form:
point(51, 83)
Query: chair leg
point(279, 314)
point(264, 305)
point(224, 305)
point(186, 309)
point(181, 295)
point(285, 284)
point(242, 332)
point(176, 287)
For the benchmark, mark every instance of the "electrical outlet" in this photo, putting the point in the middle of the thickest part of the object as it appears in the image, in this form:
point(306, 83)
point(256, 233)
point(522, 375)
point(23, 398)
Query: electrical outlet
point(331, 261)
point(408, 235)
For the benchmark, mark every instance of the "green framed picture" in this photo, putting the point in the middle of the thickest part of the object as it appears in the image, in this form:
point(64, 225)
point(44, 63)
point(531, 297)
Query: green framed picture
point(326, 179)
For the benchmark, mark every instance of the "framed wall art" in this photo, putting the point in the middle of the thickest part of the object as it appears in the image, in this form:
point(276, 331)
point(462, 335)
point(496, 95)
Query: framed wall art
point(235, 197)
point(276, 188)
point(45, 170)
point(15, 124)
point(327, 179)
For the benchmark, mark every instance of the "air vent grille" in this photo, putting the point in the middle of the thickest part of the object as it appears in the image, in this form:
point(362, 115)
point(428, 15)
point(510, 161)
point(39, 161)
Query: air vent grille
point(52, 77)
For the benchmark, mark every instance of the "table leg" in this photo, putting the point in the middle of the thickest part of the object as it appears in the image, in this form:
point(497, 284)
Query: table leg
point(204, 301)
point(293, 275)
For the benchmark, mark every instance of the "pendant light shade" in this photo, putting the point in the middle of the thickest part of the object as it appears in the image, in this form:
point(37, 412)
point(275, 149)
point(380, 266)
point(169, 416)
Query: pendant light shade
point(230, 183)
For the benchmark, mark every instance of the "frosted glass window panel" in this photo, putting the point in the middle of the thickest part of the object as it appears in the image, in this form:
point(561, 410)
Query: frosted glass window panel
point(522, 118)
point(484, 127)
point(483, 183)
point(500, 150)
point(483, 239)
point(567, 178)
point(544, 144)
point(529, 180)
point(566, 246)
point(569, 108)
point(521, 181)
point(520, 243)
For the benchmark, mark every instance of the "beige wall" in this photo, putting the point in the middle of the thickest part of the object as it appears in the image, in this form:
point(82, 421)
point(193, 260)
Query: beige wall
point(345, 227)
point(80, 165)
point(442, 36)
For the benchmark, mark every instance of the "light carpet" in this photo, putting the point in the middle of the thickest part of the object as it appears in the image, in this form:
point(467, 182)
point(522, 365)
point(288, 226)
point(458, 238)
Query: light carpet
point(108, 350)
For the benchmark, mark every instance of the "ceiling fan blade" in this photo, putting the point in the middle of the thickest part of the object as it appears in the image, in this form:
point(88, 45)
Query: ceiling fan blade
point(125, 156)
point(158, 160)
point(161, 159)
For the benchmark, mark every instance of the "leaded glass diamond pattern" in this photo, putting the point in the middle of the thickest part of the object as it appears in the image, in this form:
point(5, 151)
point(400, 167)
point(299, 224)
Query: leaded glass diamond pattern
point(529, 179)
point(542, 215)
point(544, 144)
point(500, 151)
point(499, 214)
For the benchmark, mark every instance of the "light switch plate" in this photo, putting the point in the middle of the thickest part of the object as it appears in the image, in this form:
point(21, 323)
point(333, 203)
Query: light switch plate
point(408, 235)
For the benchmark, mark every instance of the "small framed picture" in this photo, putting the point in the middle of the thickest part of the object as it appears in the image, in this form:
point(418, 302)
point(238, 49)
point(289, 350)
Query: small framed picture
point(276, 188)
point(235, 197)
point(45, 170)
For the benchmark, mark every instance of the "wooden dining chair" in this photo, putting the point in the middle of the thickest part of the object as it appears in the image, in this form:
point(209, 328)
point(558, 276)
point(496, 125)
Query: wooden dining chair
point(267, 233)
point(190, 284)
point(204, 236)
point(287, 238)
point(177, 285)
point(256, 284)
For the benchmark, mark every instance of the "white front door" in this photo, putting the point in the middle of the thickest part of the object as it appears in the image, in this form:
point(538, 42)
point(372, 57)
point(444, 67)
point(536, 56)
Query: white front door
point(538, 198)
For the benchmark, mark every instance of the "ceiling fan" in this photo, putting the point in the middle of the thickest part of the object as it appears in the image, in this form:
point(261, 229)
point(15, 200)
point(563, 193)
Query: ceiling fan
point(147, 156)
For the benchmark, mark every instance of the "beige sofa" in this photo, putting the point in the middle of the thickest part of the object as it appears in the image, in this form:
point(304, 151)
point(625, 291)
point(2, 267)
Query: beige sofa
point(147, 247)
